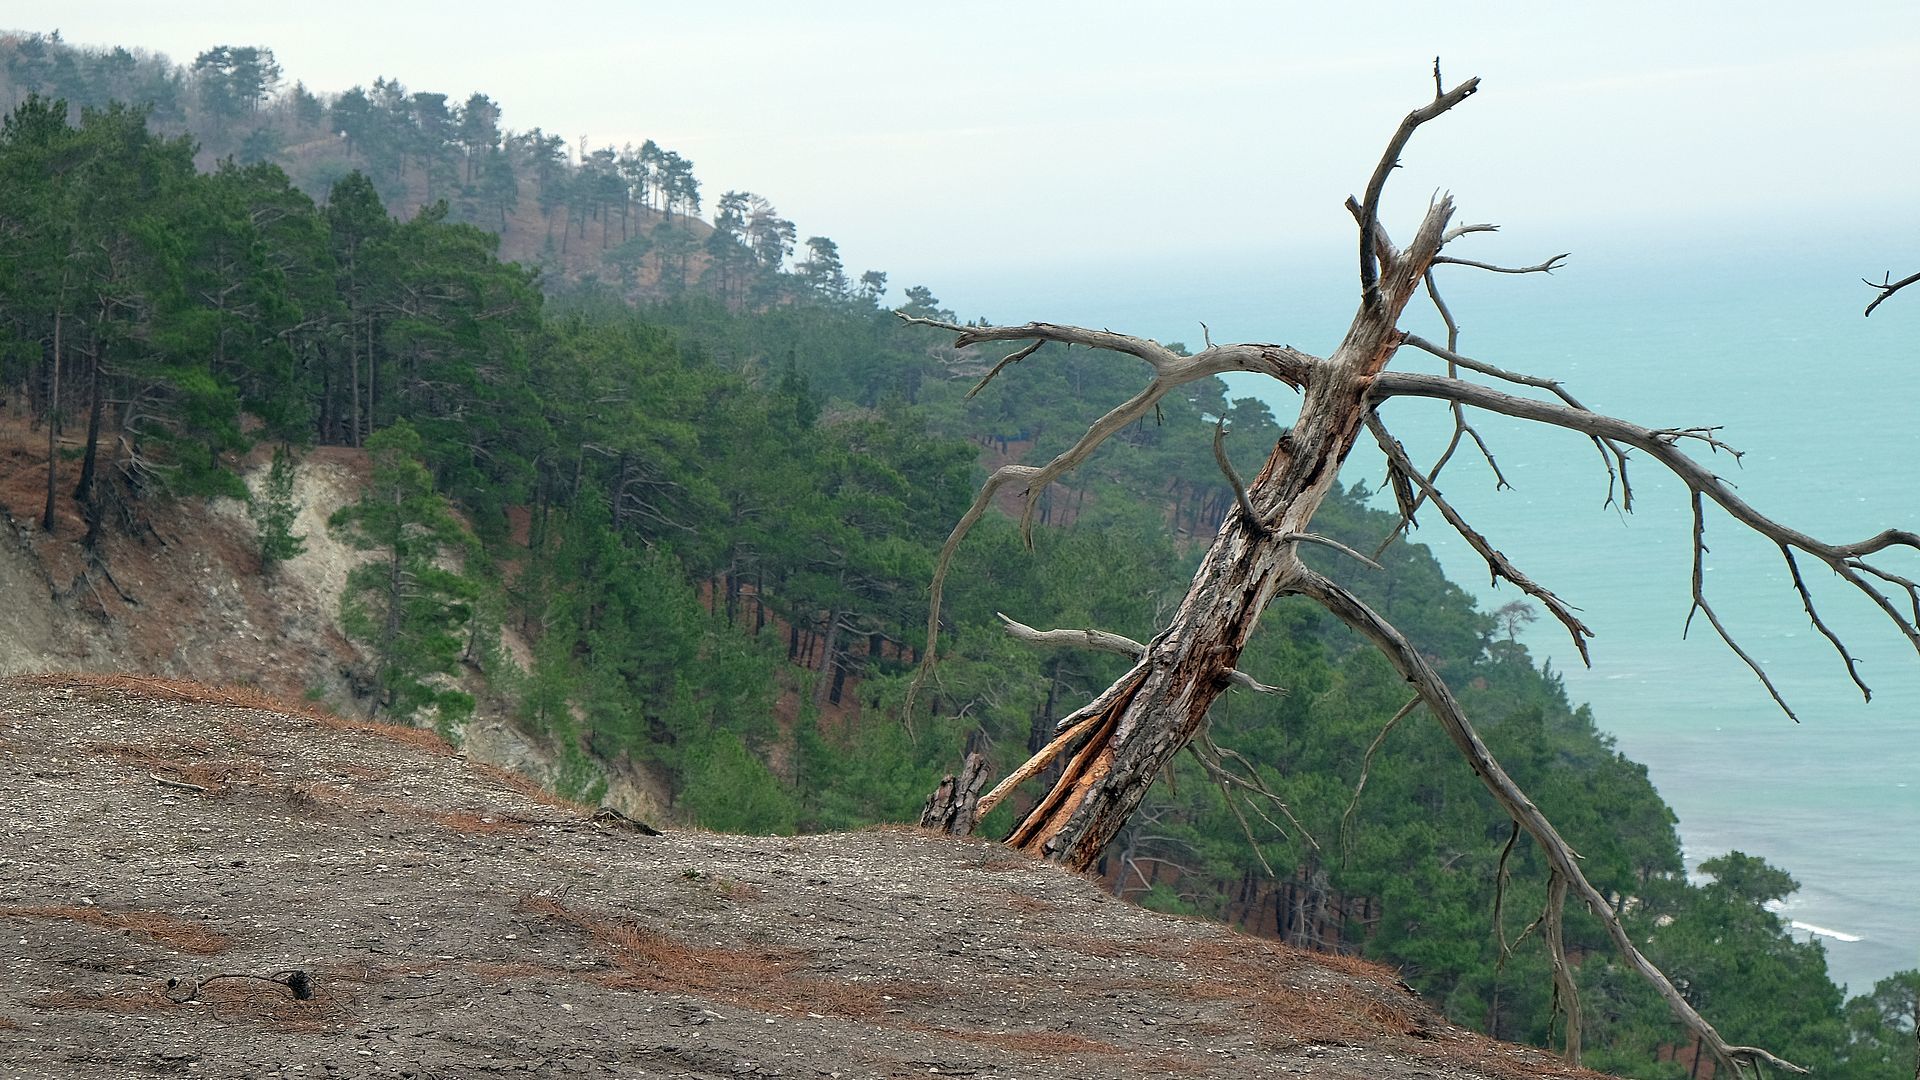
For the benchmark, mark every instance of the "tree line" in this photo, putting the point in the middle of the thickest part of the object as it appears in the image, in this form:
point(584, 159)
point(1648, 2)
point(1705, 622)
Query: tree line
point(627, 215)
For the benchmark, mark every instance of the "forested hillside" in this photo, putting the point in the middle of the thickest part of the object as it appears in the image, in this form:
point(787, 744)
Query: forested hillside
point(626, 216)
point(707, 485)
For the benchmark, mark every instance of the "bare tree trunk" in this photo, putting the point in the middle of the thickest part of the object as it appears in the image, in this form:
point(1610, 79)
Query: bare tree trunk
point(1155, 710)
point(83, 490)
point(353, 385)
point(53, 427)
point(373, 415)
point(824, 684)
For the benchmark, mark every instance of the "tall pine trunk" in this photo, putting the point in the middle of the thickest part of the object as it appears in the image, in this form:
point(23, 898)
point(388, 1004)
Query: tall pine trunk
point(83, 490)
point(53, 426)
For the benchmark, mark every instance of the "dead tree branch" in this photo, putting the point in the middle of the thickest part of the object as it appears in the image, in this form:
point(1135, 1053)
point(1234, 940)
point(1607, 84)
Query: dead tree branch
point(1007, 361)
point(1887, 287)
point(1460, 425)
point(1366, 769)
point(1806, 602)
point(1497, 564)
point(1389, 161)
point(1233, 478)
point(1212, 759)
point(1561, 857)
point(1171, 370)
point(1546, 267)
point(1069, 732)
point(1329, 542)
point(1459, 231)
point(1408, 503)
point(1610, 455)
point(953, 808)
point(1701, 606)
point(1848, 561)
point(1566, 995)
point(1253, 518)
point(1252, 781)
point(1107, 641)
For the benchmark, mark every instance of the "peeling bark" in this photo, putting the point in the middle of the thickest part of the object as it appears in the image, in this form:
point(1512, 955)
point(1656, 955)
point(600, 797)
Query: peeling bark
point(1252, 560)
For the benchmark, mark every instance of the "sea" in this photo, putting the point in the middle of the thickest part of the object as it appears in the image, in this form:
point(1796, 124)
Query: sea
point(1764, 342)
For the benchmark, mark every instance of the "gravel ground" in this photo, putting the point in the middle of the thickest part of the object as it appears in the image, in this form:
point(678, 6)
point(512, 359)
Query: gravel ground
point(194, 885)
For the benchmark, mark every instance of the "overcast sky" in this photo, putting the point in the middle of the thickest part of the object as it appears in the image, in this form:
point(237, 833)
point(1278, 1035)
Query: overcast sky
point(931, 138)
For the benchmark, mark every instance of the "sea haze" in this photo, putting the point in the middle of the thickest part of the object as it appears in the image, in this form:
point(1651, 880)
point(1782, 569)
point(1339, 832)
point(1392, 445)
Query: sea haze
point(1768, 345)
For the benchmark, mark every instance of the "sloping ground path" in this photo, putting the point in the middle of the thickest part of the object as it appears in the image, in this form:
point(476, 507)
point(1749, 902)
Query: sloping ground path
point(197, 882)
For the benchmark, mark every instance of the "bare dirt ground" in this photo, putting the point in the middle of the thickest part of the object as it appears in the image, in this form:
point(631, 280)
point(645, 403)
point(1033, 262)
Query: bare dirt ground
point(205, 883)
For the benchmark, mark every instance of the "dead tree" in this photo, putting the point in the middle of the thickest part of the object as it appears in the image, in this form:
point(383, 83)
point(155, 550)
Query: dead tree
point(1886, 287)
point(1115, 746)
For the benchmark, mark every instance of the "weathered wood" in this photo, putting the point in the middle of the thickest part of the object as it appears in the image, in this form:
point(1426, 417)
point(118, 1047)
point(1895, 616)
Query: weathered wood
point(952, 806)
point(1252, 560)
point(1107, 641)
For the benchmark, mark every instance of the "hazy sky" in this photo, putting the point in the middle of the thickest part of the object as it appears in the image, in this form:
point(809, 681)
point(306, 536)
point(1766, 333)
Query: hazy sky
point(931, 136)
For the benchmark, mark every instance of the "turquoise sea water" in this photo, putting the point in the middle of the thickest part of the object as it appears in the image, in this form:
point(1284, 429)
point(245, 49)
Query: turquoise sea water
point(1769, 344)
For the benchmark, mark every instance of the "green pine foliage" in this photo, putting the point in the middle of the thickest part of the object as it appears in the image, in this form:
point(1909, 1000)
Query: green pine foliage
point(405, 605)
point(1883, 1029)
point(274, 510)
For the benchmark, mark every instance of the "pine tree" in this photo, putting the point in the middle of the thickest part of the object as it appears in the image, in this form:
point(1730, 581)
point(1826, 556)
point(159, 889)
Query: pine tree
point(406, 606)
point(273, 511)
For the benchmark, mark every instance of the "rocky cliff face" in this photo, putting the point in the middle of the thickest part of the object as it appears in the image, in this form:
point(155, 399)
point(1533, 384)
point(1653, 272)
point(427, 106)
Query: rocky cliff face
point(204, 882)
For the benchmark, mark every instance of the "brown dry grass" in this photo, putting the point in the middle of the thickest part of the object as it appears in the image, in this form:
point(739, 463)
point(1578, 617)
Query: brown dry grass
point(1252, 972)
point(129, 1001)
point(244, 697)
point(23, 477)
point(213, 776)
point(418, 738)
point(764, 979)
point(1337, 1011)
point(1368, 1008)
point(1240, 947)
point(317, 794)
point(649, 960)
point(183, 935)
point(192, 693)
point(266, 1001)
point(261, 1000)
point(1110, 948)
